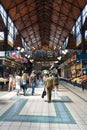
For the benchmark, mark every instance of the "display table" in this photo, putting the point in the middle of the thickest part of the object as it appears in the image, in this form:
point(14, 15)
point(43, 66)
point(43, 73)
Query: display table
point(3, 82)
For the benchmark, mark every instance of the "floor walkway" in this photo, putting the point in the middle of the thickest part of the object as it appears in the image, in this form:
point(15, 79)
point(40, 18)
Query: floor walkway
point(67, 111)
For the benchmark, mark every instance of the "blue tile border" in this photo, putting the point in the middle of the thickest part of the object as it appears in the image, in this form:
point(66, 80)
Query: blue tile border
point(62, 113)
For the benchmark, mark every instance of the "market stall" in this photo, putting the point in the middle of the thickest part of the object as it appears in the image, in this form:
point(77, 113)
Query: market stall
point(3, 82)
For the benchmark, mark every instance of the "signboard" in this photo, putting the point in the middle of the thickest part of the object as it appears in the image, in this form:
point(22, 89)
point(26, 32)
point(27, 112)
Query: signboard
point(82, 56)
point(49, 53)
point(73, 58)
point(2, 53)
point(45, 54)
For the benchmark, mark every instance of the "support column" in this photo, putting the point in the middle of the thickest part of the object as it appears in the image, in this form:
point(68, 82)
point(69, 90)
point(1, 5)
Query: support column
point(83, 42)
point(83, 36)
point(6, 36)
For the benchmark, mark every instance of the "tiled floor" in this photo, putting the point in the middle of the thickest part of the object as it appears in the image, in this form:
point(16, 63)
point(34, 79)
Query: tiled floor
point(67, 111)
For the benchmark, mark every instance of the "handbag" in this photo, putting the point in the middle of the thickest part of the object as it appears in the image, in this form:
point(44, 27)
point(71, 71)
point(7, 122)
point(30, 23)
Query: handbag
point(43, 93)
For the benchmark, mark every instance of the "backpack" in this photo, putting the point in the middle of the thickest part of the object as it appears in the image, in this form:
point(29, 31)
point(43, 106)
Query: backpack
point(33, 78)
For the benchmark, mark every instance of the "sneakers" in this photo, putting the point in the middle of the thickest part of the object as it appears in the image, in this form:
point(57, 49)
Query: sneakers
point(17, 93)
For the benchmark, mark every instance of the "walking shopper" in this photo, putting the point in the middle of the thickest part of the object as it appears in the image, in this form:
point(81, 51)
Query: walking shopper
point(17, 82)
point(11, 82)
point(33, 79)
point(49, 87)
point(24, 82)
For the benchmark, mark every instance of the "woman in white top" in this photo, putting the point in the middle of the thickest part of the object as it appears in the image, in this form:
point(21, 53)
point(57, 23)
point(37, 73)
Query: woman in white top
point(17, 83)
point(11, 81)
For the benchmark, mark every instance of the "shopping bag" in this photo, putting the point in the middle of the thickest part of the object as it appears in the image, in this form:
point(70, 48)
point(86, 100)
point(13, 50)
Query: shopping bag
point(43, 93)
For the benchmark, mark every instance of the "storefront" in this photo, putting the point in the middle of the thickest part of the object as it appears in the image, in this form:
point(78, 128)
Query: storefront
point(10, 64)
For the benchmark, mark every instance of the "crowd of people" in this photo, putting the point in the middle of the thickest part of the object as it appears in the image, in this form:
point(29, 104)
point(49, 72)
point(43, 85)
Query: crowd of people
point(18, 82)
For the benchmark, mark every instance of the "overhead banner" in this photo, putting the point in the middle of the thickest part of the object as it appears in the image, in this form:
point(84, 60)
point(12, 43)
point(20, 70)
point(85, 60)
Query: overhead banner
point(45, 53)
point(82, 56)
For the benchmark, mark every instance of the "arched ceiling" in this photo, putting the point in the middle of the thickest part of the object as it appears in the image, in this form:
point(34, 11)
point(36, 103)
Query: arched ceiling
point(44, 23)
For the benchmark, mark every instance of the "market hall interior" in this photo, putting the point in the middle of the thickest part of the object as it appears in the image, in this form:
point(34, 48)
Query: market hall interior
point(48, 37)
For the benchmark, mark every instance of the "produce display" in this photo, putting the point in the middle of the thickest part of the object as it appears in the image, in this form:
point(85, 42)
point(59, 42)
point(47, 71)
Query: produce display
point(3, 79)
point(81, 79)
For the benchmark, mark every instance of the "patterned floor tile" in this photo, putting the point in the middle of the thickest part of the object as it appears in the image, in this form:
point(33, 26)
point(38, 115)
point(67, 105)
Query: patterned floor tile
point(62, 113)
